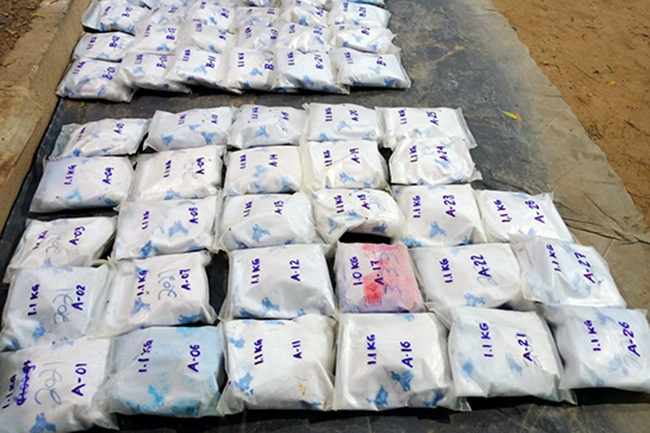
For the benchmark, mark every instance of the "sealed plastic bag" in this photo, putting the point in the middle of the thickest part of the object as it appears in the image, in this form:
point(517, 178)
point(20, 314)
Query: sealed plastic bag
point(198, 67)
point(439, 216)
point(61, 242)
point(278, 283)
point(51, 388)
point(432, 161)
point(257, 125)
point(94, 79)
point(188, 173)
point(369, 70)
point(266, 220)
point(563, 273)
point(375, 40)
point(149, 71)
point(191, 128)
point(155, 38)
point(484, 276)
point(83, 183)
point(165, 290)
point(506, 213)
point(206, 37)
point(46, 306)
point(108, 137)
point(303, 13)
point(602, 347)
point(295, 357)
point(113, 15)
point(263, 170)
point(388, 361)
point(102, 46)
point(249, 69)
point(346, 164)
point(311, 71)
point(146, 229)
point(496, 353)
point(341, 122)
point(172, 13)
point(259, 38)
point(255, 16)
point(211, 12)
point(337, 211)
point(399, 123)
point(303, 38)
point(166, 371)
point(376, 278)
point(349, 13)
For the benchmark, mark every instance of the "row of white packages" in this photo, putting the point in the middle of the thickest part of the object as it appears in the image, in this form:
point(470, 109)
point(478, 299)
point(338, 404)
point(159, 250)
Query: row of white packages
point(383, 362)
point(256, 126)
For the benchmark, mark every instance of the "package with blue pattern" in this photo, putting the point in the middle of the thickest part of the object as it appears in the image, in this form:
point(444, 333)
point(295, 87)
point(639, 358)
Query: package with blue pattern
point(51, 388)
point(146, 229)
point(191, 128)
point(439, 215)
point(388, 361)
point(257, 125)
point(266, 220)
point(166, 371)
point(197, 67)
point(61, 242)
point(83, 183)
point(303, 13)
point(149, 71)
point(102, 46)
point(155, 38)
point(351, 13)
point(602, 347)
point(249, 70)
point(359, 69)
point(497, 353)
point(257, 37)
point(211, 12)
point(113, 15)
point(263, 170)
point(310, 71)
point(185, 173)
point(206, 37)
point(50, 305)
point(165, 290)
point(94, 79)
point(255, 17)
point(173, 12)
point(303, 38)
point(341, 122)
point(278, 283)
point(377, 40)
point(279, 364)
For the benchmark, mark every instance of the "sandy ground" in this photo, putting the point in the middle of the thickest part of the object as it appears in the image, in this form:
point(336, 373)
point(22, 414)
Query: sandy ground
point(15, 19)
point(597, 53)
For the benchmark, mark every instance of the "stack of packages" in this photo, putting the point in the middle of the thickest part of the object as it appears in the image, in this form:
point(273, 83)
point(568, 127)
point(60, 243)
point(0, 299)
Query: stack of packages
point(169, 45)
point(452, 298)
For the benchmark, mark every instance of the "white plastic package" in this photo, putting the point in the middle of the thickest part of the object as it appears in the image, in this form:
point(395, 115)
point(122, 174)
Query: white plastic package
point(211, 12)
point(256, 37)
point(174, 174)
point(255, 16)
point(278, 283)
point(198, 67)
point(496, 353)
point(94, 79)
point(295, 357)
point(149, 71)
point(402, 122)
point(206, 37)
point(61, 242)
point(113, 15)
point(563, 273)
point(165, 227)
point(337, 211)
point(439, 216)
point(432, 161)
point(388, 361)
point(266, 220)
point(108, 137)
point(376, 278)
point(263, 170)
point(166, 371)
point(359, 69)
point(484, 276)
point(256, 125)
point(341, 122)
point(303, 13)
point(507, 213)
point(46, 306)
point(311, 71)
point(375, 40)
point(102, 46)
point(83, 183)
point(249, 69)
point(158, 291)
point(259, 3)
point(305, 39)
point(602, 347)
point(346, 164)
point(191, 128)
point(172, 13)
point(349, 13)
point(51, 388)
point(155, 38)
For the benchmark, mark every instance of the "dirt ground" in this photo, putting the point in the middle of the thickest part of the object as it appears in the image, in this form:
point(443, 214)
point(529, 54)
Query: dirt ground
point(597, 53)
point(15, 19)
